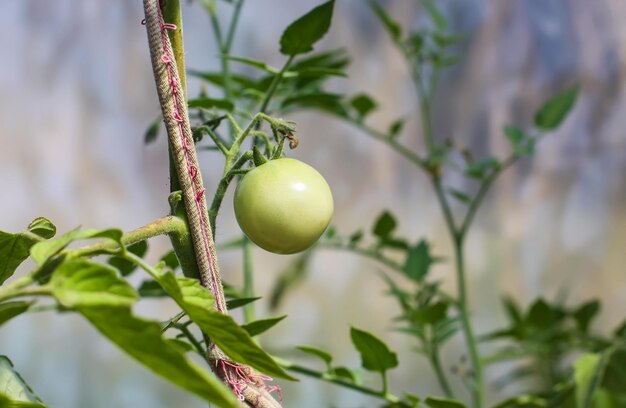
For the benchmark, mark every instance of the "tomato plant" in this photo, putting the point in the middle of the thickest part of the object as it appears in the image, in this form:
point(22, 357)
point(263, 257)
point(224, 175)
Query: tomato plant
point(283, 205)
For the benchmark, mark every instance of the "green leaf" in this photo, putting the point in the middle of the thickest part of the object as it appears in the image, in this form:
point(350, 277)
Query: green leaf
point(336, 59)
point(13, 251)
point(240, 302)
point(384, 226)
point(153, 131)
point(344, 372)
point(614, 379)
point(430, 314)
point(363, 104)
point(585, 314)
point(259, 326)
point(9, 310)
point(79, 283)
point(555, 110)
point(14, 392)
point(142, 340)
point(396, 127)
point(326, 357)
point(217, 78)
point(481, 168)
point(375, 355)
point(105, 299)
point(460, 196)
point(392, 26)
point(327, 102)
point(150, 288)
point(253, 63)
point(182, 345)
point(299, 36)
point(43, 227)
point(210, 103)
point(356, 237)
point(125, 266)
point(198, 303)
point(523, 144)
point(14, 248)
point(438, 18)
point(436, 402)
point(513, 311)
point(171, 260)
point(588, 372)
point(418, 261)
point(43, 251)
point(541, 315)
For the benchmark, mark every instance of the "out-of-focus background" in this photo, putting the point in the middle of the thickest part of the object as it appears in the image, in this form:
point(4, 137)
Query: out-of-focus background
point(76, 95)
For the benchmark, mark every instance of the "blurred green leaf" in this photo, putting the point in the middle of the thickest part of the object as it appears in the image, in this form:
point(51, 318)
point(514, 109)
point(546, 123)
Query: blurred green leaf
point(326, 357)
point(418, 261)
point(333, 59)
point(356, 237)
point(259, 326)
point(430, 314)
point(170, 259)
point(375, 355)
point(346, 373)
point(481, 168)
point(240, 302)
point(444, 40)
point(614, 379)
point(393, 28)
point(585, 314)
point(460, 196)
point(299, 36)
point(9, 310)
point(384, 225)
point(588, 372)
point(396, 127)
point(14, 392)
point(217, 78)
point(555, 110)
point(150, 288)
point(435, 14)
point(523, 144)
point(363, 104)
point(153, 131)
point(541, 315)
point(436, 402)
point(210, 103)
point(124, 266)
point(327, 102)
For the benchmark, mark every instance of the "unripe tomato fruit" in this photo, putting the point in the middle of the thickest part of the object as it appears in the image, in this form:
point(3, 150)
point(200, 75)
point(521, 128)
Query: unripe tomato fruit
point(283, 205)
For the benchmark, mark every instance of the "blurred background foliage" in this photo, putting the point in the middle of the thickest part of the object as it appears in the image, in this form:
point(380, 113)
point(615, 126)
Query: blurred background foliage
point(76, 94)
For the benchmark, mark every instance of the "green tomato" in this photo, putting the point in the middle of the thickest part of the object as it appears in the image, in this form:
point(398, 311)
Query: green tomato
point(283, 205)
